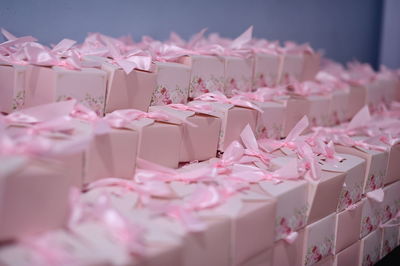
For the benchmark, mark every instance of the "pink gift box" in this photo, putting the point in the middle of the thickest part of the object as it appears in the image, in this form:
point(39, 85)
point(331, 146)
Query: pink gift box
point(251, 230)
point(393, 168)
point(357, 98)
point(34, 197)
point(270, 123)
point(238, 74)
point(375, 95)
point(264, 258)
point(319, 111)
point(206, 74)
point(389, 86)
point(289, 254)
point(349, 256)
point(111, 155)
point(172, 85)
point(391, 202)
point(128, 91)
point(164, 238)
point(324, 195)
point(198, 143)
point(166, 242)
point(233, 120)
point(370, 216)
point(376, 165)
point(159, 142)
point(348, 227)
point(354, 169)
point(291, 207)
point(339, 106)
point(311, 66)
point(390, 236)
point(296, 109)
point(266, 69)
point(12, 87)
point(47, 85)
point(319, 240)
point(292, 67)
point(87, 156)
point(370, 249)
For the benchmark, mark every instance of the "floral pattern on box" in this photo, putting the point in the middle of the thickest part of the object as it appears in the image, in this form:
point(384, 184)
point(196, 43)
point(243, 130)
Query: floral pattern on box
point(318, 251)
point(286, 225)
point(200, 85)
point(273, 133)
point(389, 244)
point(388, 212)
point(335, 118)
point(369, 224)
point(94, 103)
point(232, 84)
point(371, 258)
point(321, 120)
point(260, 80)
point(18, 100)
point(163, 95)
point(349, 196)
point(374, 181)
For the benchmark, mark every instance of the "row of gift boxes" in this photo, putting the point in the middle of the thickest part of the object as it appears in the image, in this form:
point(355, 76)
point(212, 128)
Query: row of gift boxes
point(317, 244)
point(239, 232)
point(166, 83)
point(110, 88)
point(186, 136)
point(106, 91)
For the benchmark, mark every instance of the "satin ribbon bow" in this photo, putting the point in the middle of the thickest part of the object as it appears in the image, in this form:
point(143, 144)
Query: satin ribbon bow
point(126, 233)
point(196, 107)
point(252, 147)
point(221, 98)
point(297, 143)
point(122, 118)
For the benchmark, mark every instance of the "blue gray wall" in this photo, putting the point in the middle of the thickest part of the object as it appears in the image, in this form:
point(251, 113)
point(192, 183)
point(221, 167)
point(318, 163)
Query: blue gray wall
point(344, 29)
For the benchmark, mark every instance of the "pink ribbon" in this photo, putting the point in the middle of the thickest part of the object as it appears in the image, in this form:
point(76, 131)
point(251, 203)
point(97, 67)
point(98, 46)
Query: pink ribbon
point(233, 154)
point(221, 98)
point(125, 233)
point(26, 50)
point(47, 252)
point(376, 195)
point(196, 107)
point(123, 118)
point(252, 147)
point(260, 95)
point(296, 143)
point(394, 222)
point(251, 174)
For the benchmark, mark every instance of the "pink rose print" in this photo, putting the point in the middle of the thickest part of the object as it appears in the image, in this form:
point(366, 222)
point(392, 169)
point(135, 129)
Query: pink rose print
point(347, 199)
point(284, 226)
point(200, 86)
point(316, 255)
point(387, 213)
point(386, 247)
point(314, 122)
point(368, 261)
point(263, 133)
point(336, 118)
point(165, 96)
point(372, 183)
point(369, 225)
point(233, 85)
point(262, 81)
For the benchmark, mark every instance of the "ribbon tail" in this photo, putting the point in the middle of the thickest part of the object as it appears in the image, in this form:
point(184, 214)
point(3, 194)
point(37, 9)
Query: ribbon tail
point(291, 237)
point(376, 195)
